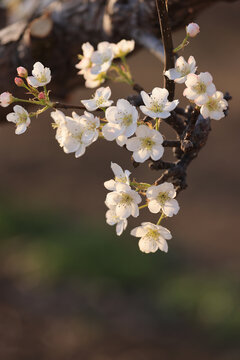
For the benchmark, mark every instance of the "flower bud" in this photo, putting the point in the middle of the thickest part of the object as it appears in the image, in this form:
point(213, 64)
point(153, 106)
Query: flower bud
point(19, 82)
point(22, 72)
point(192, 29)
point(6, 99)
point(41, 96)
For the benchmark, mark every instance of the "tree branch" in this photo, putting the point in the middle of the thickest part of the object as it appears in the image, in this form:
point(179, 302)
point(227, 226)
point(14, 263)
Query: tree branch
point(167, 44)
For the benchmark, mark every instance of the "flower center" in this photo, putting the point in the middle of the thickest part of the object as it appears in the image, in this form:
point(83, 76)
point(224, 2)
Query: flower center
point(122, 180)
point(127, 120)
point(184, 70)
point(79, 136)
point(126, 199)
point(152, 234)
point(200, 88)
point(155, 107)
point(100, 100)
point(42, 78)
point(212, 105)
point(22, 118)
point(163, 197)
point(147, 143)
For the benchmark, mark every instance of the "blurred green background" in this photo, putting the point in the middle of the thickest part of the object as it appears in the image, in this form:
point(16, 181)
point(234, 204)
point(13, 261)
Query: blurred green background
point(71, 289)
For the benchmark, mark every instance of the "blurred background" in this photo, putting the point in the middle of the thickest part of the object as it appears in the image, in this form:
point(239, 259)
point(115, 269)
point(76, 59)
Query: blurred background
point(71, 289)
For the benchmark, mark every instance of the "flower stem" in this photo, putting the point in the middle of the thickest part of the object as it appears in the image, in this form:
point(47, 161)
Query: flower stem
point(160, 219)
point(142, 206)
point(182, 45)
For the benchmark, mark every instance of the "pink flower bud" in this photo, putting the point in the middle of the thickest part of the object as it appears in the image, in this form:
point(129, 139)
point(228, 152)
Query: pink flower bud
point(18, 81)
point(5, 99)
point(22, 71)
point(192, 29)
point(41, 96)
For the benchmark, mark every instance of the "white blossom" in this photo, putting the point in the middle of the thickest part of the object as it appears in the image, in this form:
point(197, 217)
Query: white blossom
point(182, 69)
point(62, 131)
point(161, 197)
point(214, 106)
point(146, 144)
point(6, 99)
point(120, 177)
point(124, 201)
point(123, 47)
point(102, 58)
point(93, 81)
point(20, 117)
point(100, 99)
point(122, 122)
point(199, 87)
point(152, 237)
point(85, 63)
point(76, 133)
point(157, 104)
point(113, 219)
point(192, 29)
point(41, 75)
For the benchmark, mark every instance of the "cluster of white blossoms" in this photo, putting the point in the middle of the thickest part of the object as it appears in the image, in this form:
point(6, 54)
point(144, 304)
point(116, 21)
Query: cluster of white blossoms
point(122, 202)
point(75, 133)
point(199, 88)
point(136, 130)
point(94, 64)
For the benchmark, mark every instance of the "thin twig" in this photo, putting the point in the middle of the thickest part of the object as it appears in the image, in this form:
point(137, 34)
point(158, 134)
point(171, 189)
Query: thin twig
point(58, 105)
point(167, 44)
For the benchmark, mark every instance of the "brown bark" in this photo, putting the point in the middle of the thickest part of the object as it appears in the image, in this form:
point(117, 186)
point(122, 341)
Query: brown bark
point(54, 37)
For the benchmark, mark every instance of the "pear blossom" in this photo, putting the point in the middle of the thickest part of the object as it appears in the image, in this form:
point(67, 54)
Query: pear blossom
point(85, 62)
point(76, 133)
point(102, 58)
point(123, 47)
point(214, 106)
point(90, 122)
point(93, 81)
point(124, 201)
point(21, 118)
point(122, 122)
point(182, 69)
point(6, 99)
point(41, 75)
point(100, 99)
point(146, 144)
point(152, 237)
point(157, 104)
point(199, 87)
point(120, 177)
point(113, 219)
point(62, 131)
point(161, 197)
point(192, 29)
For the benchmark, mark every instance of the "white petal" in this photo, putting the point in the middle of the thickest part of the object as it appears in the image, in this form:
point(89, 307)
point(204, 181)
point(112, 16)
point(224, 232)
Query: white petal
point(133, 144)
point(110, 185)
point(154, 206)
point(157, 152)
point(141, 155)
point(147, 245)
point(170, 207)
point(111, 131)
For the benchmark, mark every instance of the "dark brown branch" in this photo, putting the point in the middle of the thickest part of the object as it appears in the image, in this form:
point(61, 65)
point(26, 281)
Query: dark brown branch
point(167, 44)
point(171, 143)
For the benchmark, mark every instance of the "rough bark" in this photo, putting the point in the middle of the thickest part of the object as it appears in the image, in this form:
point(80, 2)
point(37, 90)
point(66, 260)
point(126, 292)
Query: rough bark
point(54, 35)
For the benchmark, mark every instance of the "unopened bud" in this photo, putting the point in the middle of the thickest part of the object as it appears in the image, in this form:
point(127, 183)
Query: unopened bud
point(22, 72)
point(19, 82)
point(192, 29)
point(5, 99)
point(41, 96)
